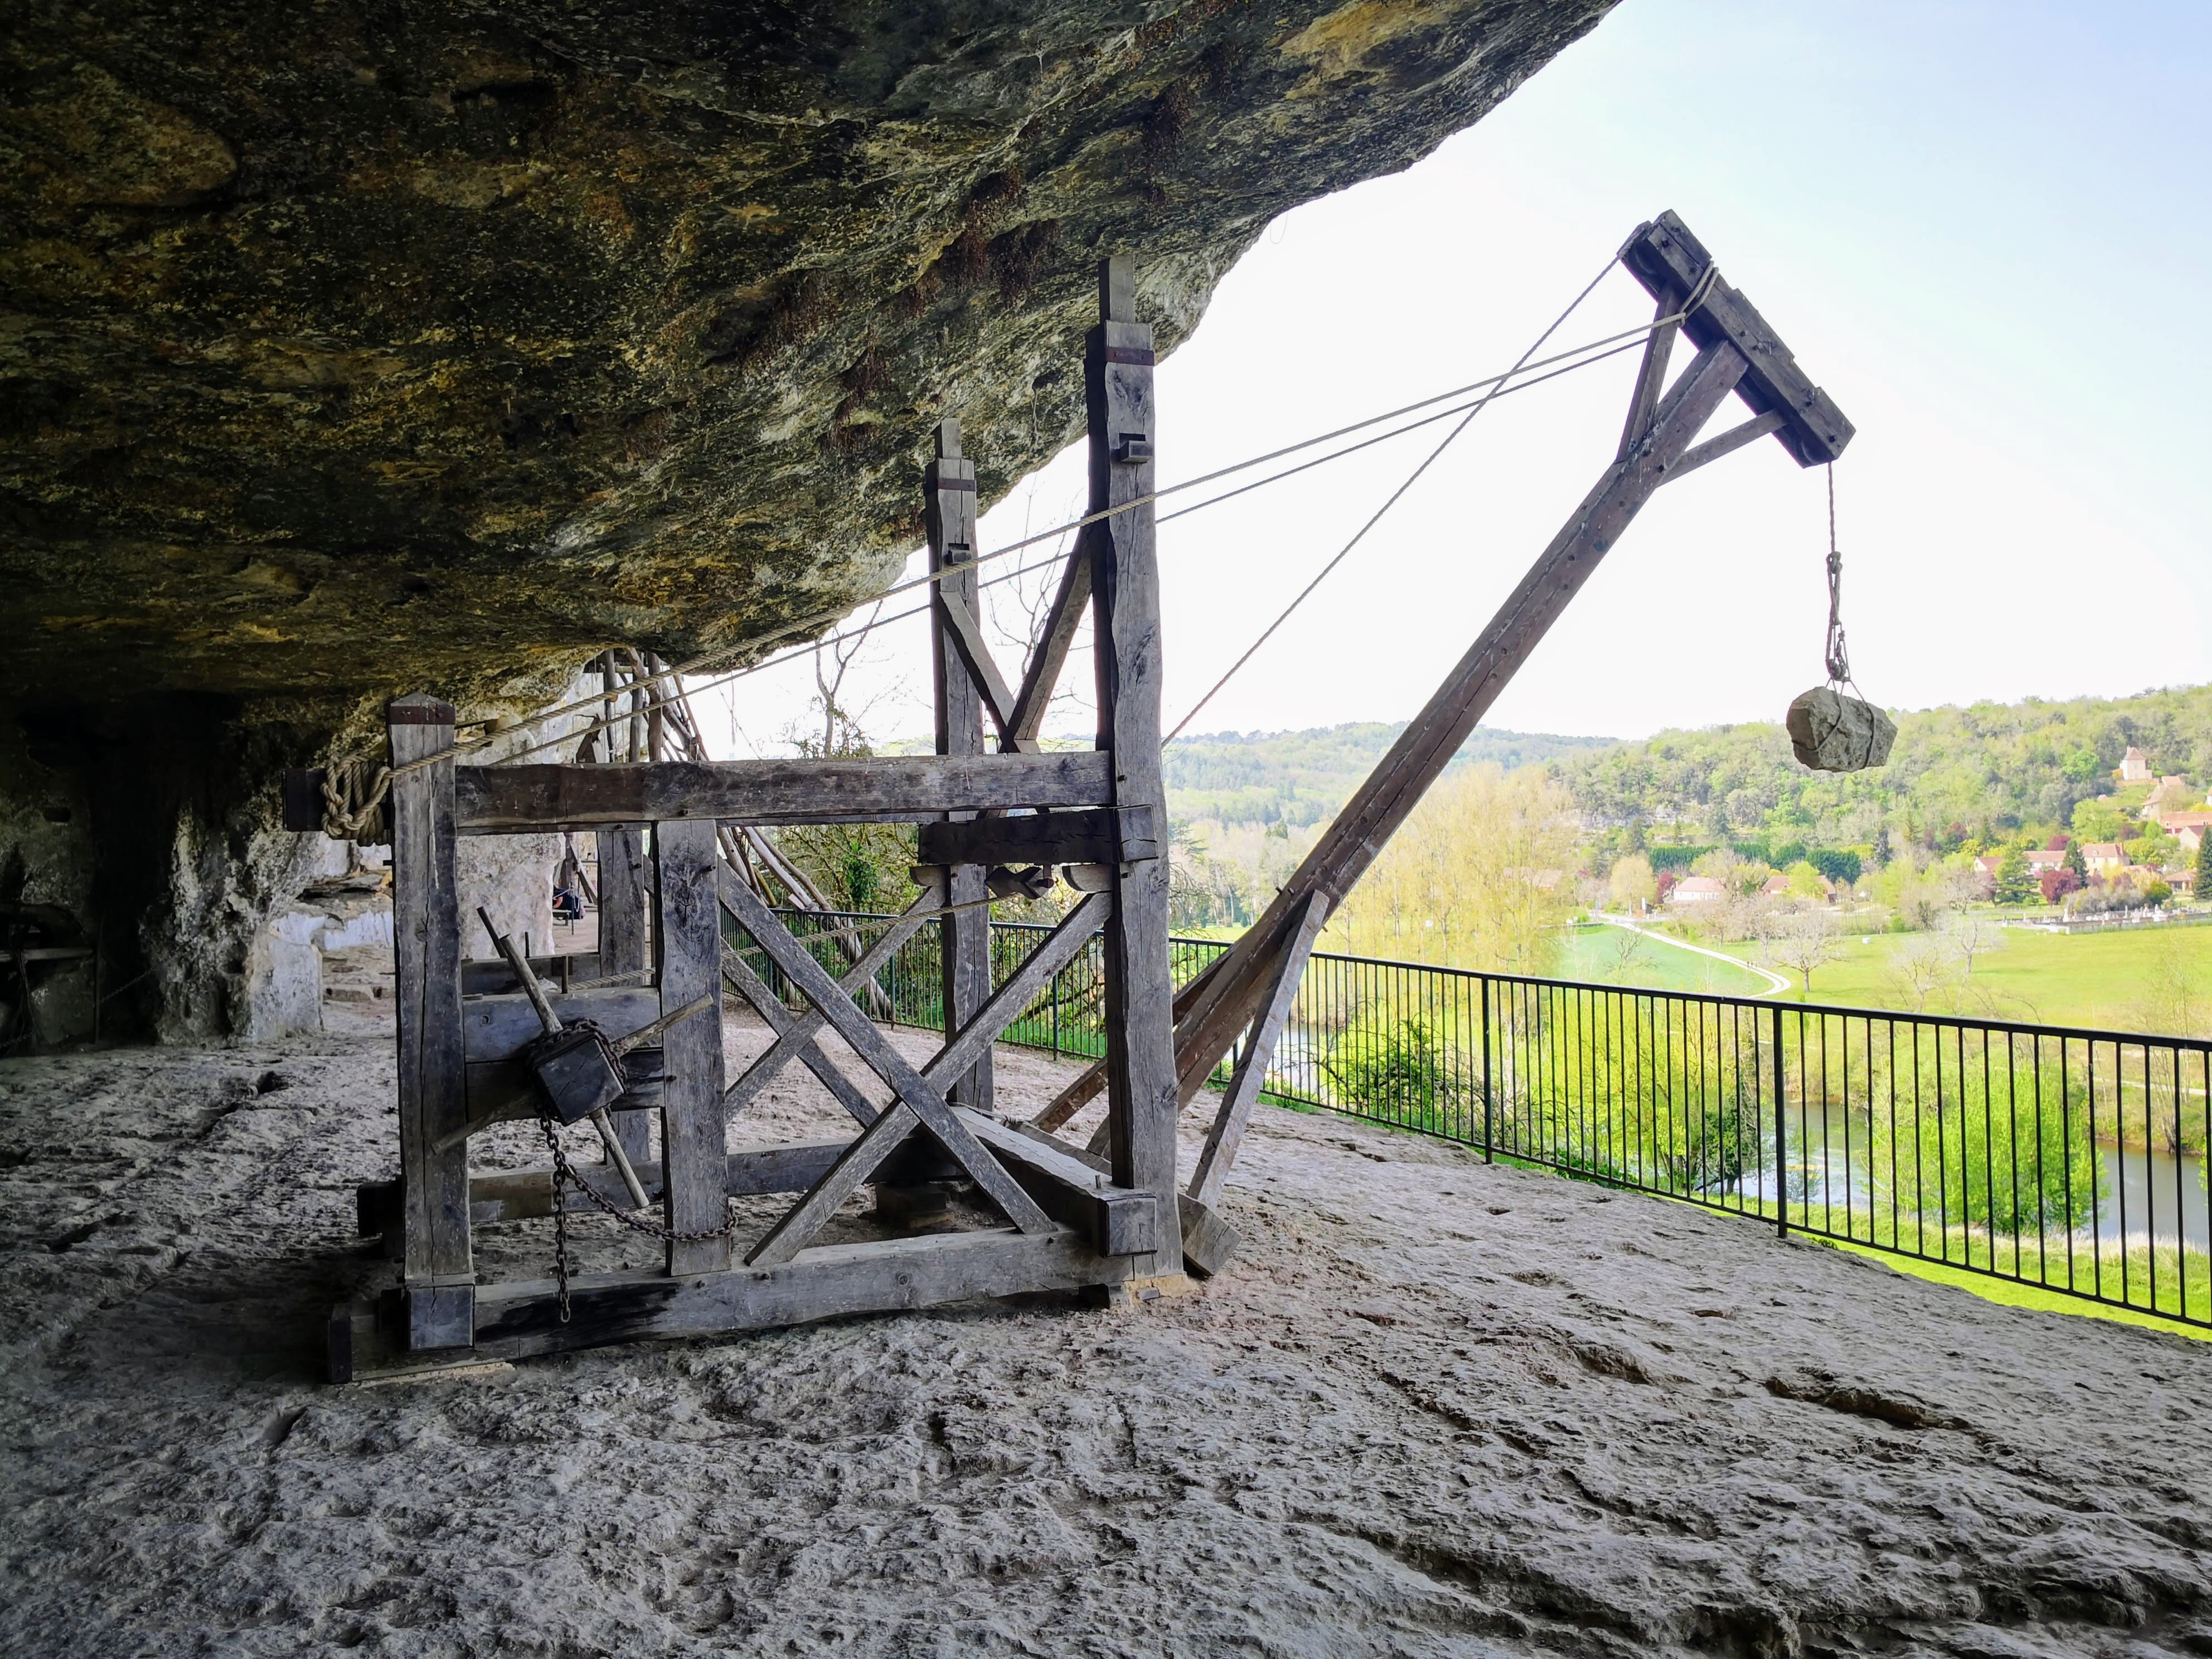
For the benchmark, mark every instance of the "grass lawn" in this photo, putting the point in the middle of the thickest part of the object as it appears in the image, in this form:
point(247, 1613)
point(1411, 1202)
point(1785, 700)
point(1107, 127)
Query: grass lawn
point(2012, 1295)
point(2106, 980)
point(1593, 954)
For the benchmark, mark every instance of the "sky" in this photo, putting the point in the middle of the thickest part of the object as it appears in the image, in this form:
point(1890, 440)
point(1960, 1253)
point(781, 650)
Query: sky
point(1982, 228)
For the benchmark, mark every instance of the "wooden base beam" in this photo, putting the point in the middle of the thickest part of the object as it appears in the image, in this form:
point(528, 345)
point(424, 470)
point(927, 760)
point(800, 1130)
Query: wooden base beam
point(512, 1321)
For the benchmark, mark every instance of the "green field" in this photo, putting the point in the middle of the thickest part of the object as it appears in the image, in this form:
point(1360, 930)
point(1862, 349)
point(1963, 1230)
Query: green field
point(1593, 954)
point(2122, 980)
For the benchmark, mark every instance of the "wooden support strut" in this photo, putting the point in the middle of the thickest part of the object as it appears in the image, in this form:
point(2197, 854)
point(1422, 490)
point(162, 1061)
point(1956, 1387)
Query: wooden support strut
point(688, 939)
point(437, 1268)
point(963, 674)
point(1125, 597)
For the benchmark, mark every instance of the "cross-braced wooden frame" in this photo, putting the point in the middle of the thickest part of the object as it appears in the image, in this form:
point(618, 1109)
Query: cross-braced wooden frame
point(1071, 1221)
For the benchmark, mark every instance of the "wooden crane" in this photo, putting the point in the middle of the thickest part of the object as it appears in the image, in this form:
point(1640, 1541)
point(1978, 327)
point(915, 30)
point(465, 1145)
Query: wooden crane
point(1116, 1216)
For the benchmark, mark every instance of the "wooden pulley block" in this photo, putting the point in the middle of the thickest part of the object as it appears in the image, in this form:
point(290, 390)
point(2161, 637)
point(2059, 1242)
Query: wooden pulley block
point(1832, 732)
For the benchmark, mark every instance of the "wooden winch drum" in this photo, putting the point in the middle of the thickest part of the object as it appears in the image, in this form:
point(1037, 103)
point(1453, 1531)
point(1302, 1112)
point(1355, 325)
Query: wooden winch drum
point(1832, 732)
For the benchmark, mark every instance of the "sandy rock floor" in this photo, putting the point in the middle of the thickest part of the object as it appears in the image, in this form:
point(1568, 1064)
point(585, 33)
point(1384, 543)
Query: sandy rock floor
point(1434, 1409)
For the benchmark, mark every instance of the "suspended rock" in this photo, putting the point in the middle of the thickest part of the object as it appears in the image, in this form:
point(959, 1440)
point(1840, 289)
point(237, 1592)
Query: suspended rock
point(1832, 732)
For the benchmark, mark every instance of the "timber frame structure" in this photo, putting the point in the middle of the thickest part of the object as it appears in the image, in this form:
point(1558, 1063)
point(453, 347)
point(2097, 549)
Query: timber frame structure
point(1112, 1219)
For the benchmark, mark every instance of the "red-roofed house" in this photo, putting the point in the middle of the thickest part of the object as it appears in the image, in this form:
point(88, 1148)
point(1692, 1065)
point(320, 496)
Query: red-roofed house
point(1697, 890)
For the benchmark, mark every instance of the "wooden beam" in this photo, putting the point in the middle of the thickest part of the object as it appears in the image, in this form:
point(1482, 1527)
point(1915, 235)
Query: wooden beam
point(781, 1020)
point(966, 637)
point(795, 1032)
point(1095, 835)
point(965, 677)
point(1727, 443)
point(1041, 677)
point(1117, 1221)
point(1125, 597)
point(438, 1269)
point(516, 1321)
point(500, 1027)
point(492, 977)
point(920, 1096)
point(1665, 257)
point(623, 944)
point(1227, 1134)
point(1650, 377)
point(886, 789)
point(524, 1195)
point(956, 1059)
point(687, 941)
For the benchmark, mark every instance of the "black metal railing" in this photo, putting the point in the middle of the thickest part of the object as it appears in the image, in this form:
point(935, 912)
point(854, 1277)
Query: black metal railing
point(2067, 1159)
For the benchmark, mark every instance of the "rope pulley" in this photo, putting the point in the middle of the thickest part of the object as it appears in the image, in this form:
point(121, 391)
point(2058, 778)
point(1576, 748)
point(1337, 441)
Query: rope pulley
point(1831, 730)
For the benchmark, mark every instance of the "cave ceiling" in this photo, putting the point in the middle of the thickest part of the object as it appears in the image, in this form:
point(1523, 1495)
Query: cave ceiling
point(356, 347)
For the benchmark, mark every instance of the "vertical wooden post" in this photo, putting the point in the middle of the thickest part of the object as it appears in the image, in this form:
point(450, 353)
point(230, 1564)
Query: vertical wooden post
point(949, 516)
point(1140, 1072)
point(688, 938)
point(439, 1275)
point(623, 946)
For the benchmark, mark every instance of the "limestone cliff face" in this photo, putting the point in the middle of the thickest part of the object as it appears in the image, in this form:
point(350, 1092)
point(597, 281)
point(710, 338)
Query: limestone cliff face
point(371, 347)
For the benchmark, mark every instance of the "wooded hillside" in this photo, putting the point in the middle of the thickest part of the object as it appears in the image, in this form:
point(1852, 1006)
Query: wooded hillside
point(1300, 778)
point(1985, 772)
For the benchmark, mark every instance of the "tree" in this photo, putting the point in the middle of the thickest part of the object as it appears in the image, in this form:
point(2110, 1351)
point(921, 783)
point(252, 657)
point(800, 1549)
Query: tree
point(1880, 852)
point(1477, 878)
point(1804, 942)
point(1842, 866)
point(1631, 884)
point(2015, 885)
point(1970, 935)
point(2055, 884)
point(2076, 866)
point(2203, 864)
point(2098, 820)
point(1806, 882)
point(1918, 969)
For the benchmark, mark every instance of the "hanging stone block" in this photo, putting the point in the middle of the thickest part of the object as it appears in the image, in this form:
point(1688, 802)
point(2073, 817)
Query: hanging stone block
point(1832, 732)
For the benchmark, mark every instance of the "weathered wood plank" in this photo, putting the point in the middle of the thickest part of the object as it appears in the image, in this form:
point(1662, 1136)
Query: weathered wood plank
point(499, 1027)
point(923, 1097)
point(806, 1218)
point(688, 941)
point(1117, 1221)
point(1227, 1134)
point(1651, 376)
point(436, 1262)
point(623, 942)
point(965, 677)
point(885, 789)
point(795, 1033)
point(492, 977)
point(1208, 1240)
point(1125, 622)
point(781, 1020)
point(1727, 443)
point(1664, 256)
point(1041, 677)
point(524, 1195)
point(1095, 835)
point(829, 1282)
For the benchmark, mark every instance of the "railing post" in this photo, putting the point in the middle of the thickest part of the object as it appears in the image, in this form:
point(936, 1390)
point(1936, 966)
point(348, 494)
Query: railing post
point(1781, 1134)
point(1489, 1100)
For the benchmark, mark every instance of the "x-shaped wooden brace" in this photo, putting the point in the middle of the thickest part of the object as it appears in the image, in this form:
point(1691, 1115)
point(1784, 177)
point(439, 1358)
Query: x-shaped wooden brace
point(920, 1101)
point(795, 1033)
